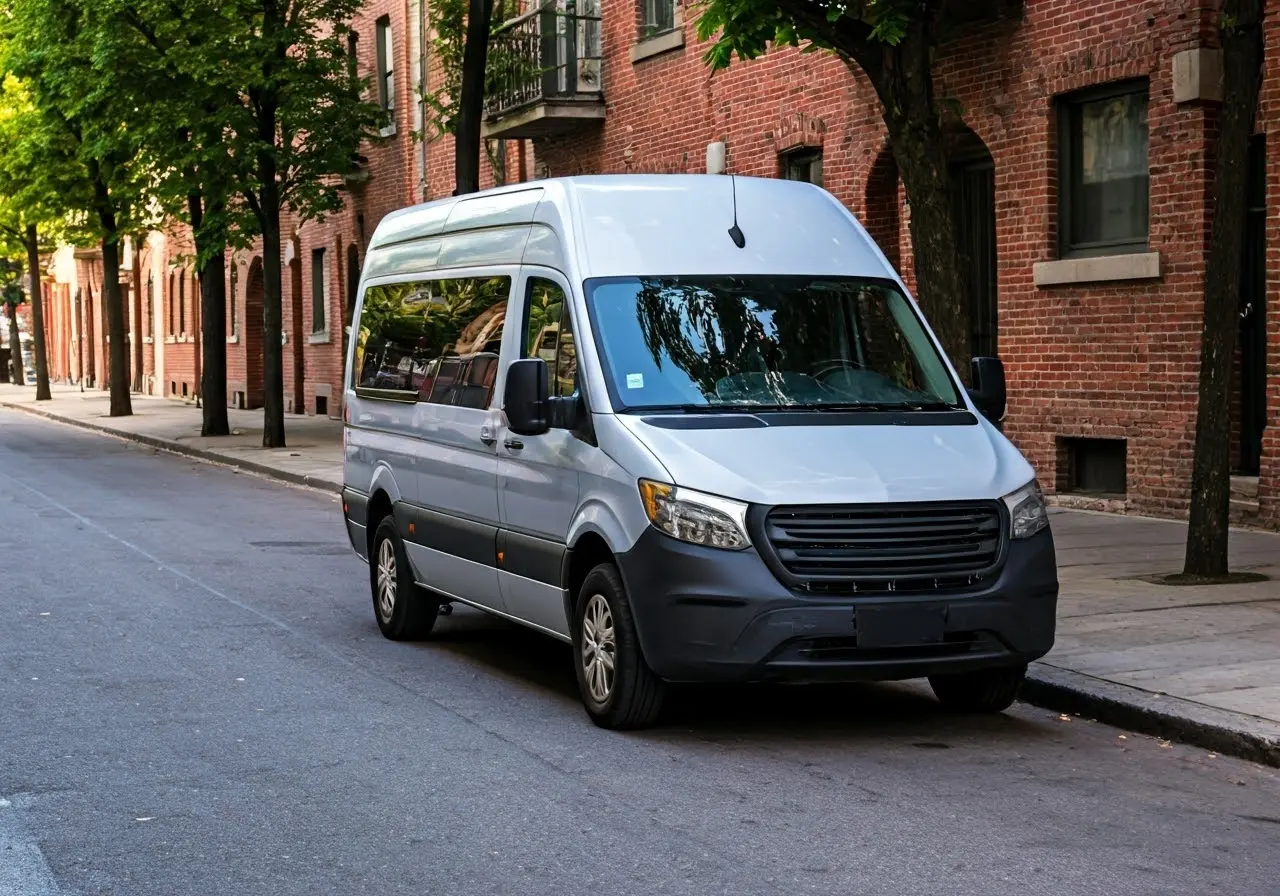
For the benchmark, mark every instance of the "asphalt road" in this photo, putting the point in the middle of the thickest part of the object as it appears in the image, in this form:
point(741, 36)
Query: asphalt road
point(194, 699)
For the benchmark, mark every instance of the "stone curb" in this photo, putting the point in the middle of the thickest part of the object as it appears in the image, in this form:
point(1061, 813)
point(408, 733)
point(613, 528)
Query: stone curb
point(178, 448)
point(1143, 712)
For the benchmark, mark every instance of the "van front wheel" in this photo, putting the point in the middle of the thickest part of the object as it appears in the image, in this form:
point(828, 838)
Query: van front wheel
point(983, 691)
point(618, 688)
point(402, 611)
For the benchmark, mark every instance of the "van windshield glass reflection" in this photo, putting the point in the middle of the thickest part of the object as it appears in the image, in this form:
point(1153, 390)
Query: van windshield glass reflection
point(701, 343)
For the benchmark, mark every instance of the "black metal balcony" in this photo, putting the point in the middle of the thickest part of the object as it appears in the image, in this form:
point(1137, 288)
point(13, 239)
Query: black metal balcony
point(544, 72)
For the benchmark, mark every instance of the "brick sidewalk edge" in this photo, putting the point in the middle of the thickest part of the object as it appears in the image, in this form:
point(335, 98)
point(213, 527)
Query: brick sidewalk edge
point(1047, 686)
point(171, 447)
point(1159, 715)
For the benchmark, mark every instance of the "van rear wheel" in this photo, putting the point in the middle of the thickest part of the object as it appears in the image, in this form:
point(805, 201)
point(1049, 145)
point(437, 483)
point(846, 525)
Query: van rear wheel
point(618, 688)
point(983, 691)
point(403, 612)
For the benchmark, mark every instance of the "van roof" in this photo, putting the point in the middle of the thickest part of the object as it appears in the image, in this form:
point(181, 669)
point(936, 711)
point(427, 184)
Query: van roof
point(627, 225)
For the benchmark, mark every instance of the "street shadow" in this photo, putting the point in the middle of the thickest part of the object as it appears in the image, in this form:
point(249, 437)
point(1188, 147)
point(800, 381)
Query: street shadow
point(872, 711)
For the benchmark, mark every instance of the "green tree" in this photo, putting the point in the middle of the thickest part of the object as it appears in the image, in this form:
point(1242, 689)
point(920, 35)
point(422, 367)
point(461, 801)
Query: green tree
point(70, 58)
point(1240, 30)
point(300, 124)
point(184, 52)
point(467, 142)
point(37, 180)
point(448, 21)
point(893, 43)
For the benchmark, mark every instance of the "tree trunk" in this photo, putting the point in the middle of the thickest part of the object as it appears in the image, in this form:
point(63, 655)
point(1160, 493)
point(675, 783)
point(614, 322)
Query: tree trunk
point(39, 344)
point(272, 325)
point(139, 370)
point(118, 350)
point(16, 375)
point(903, 80)
point(1207, 536)
point(211, 265)
point(80, 341)
point(467, 142)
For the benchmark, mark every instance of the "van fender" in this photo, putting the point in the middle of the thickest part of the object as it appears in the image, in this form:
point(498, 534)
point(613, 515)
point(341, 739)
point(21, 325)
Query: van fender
point(597, 517)
point(384, 480)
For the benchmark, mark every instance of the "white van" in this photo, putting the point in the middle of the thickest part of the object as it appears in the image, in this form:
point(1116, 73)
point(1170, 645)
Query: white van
point(695, 427)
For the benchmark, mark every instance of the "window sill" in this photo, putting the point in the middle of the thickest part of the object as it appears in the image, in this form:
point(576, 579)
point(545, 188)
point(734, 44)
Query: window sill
point(648, 47)
point(319, 338)
point(388, 131)
point(148, 340)
point(1097, 269)
point(170, 340)
point(233, 340)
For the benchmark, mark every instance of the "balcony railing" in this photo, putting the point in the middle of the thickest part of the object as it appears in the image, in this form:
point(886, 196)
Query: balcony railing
point(544, 70)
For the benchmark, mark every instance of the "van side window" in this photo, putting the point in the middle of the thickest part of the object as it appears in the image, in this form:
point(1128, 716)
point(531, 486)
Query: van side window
point(549, 334)
point(436, 341)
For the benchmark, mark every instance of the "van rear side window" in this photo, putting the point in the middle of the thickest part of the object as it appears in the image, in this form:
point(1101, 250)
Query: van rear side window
point(436, 341)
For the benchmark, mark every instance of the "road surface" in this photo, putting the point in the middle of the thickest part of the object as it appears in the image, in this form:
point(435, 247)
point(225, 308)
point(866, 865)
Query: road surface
point(194, 699)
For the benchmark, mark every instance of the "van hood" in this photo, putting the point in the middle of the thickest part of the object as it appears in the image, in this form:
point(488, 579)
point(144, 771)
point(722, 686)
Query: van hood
point(833, 464)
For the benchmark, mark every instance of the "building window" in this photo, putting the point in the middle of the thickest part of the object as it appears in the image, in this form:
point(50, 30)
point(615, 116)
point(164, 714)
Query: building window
point(353, 54)
point(318, 316)
point(386, 66)
point(182, 302)
point(1103, 179)
point(151, 304)
point(804, 165)
point(659, 17)
point(1093, 467)
point(171, 315)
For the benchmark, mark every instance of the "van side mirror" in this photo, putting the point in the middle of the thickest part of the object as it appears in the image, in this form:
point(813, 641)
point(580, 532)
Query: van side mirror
point(988, 389)
point(525, 397)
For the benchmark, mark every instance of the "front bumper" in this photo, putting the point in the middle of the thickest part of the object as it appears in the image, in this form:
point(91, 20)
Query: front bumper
point(709, 615)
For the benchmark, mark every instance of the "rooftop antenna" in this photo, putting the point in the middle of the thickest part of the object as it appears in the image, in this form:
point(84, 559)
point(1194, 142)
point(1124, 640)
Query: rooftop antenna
point(735, 232)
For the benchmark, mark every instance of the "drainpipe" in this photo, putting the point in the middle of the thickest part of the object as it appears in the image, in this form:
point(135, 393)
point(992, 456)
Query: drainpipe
point(423, 151)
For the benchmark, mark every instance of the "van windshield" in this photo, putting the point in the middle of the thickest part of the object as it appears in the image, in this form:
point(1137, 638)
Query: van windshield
point(764, 342)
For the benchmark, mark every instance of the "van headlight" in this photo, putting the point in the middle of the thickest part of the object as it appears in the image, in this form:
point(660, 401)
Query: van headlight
point(694, 517)
point(1027, 511)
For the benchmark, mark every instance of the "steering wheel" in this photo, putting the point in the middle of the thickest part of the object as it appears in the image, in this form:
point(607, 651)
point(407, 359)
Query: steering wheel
point(822, 369)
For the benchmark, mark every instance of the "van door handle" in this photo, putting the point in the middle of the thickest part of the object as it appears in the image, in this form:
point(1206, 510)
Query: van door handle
point(486, 434)
point(514, 445)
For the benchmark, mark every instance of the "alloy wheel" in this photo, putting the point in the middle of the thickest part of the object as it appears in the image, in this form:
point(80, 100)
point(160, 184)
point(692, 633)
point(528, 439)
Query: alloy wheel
point(386, 579)
point(599, 648)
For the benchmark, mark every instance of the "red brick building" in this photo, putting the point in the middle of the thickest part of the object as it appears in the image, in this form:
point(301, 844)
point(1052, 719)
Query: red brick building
point(1083, 167)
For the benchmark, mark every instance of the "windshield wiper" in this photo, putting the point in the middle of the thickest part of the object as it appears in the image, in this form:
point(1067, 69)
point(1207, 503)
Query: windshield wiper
point(740, 408)
point(713, 408)
point(882, 406)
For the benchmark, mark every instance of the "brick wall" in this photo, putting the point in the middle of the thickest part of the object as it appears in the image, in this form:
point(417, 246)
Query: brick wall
point(1115, 360)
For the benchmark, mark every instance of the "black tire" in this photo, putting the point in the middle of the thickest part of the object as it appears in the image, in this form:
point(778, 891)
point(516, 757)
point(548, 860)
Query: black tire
point(408, 615)
point(635, 694)
point(984, 691)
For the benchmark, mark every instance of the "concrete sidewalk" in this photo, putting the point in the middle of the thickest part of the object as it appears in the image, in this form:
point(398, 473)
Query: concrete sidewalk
point(1200, 664)
point(313, 455)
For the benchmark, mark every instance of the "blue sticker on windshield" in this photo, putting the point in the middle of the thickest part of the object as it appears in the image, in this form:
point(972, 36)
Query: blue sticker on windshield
point(635, 380)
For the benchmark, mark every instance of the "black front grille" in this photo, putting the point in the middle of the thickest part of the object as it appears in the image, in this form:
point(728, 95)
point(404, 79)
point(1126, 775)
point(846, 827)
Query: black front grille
point(910, 548)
